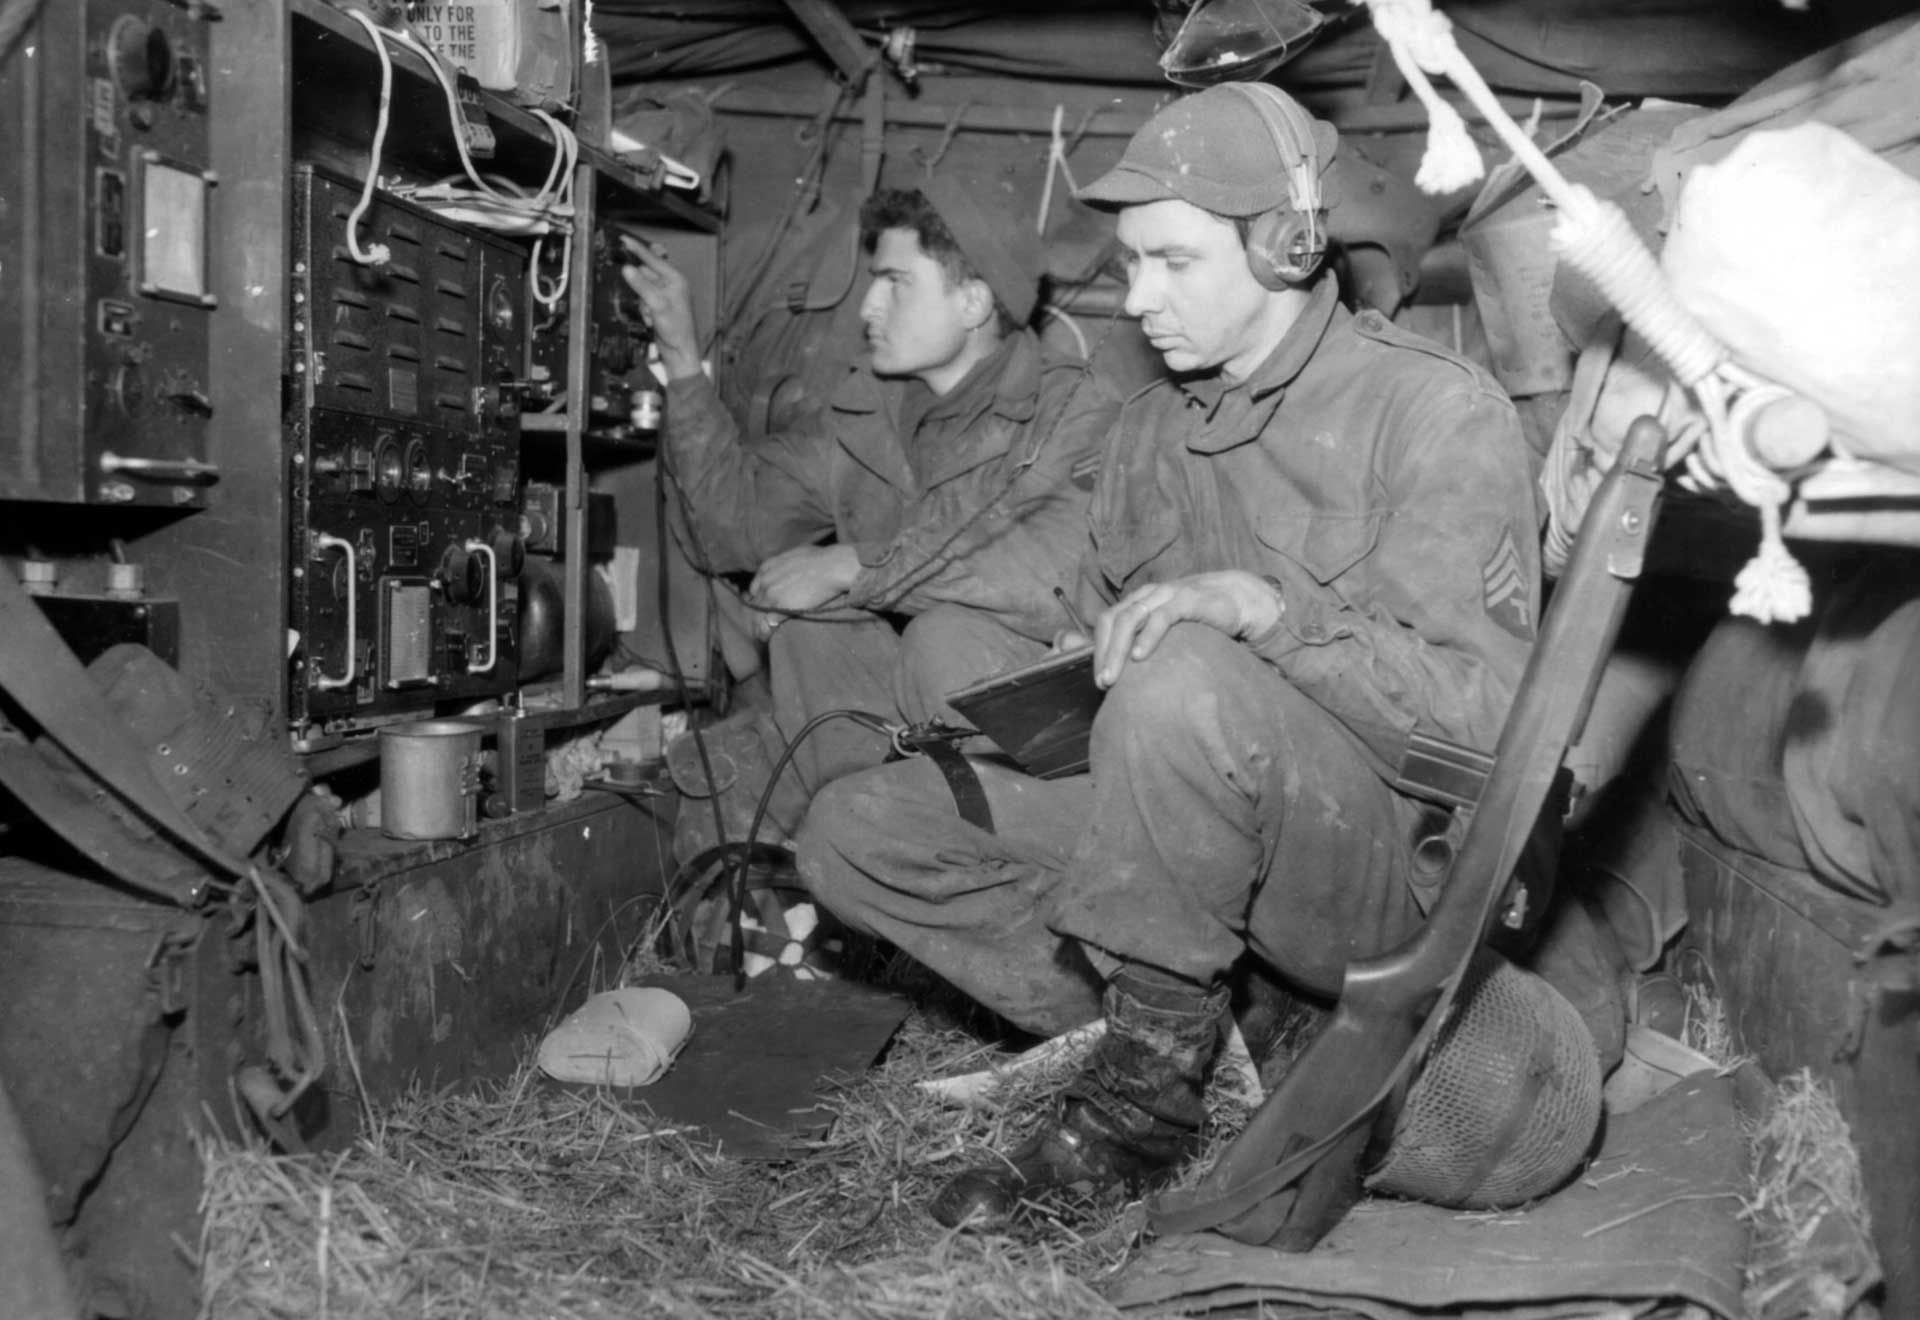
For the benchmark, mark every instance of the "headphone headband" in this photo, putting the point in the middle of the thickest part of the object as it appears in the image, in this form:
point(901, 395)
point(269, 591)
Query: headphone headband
point(1291, 130)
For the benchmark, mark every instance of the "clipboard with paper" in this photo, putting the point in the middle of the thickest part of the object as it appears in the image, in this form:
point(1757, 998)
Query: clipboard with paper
point(1040, 714)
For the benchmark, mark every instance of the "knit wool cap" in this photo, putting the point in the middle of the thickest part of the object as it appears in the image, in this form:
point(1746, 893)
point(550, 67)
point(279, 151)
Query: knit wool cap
point(1212, 149)
point(998, 239)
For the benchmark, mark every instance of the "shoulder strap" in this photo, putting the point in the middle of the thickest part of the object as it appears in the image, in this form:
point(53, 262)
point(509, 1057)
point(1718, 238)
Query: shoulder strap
point(49, 683)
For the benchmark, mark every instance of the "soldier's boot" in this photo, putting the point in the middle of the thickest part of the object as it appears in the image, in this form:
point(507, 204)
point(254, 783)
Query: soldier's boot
point(1132, 1115)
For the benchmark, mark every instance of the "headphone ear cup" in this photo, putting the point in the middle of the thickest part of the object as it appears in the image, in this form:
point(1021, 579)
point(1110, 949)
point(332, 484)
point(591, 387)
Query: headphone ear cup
point(1278, 252)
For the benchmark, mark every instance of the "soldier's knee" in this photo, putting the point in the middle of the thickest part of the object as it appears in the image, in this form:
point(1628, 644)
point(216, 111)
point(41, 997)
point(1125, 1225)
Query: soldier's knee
point(939, 628)
point(1175, 687)
point(931, 641)
point(838, 818)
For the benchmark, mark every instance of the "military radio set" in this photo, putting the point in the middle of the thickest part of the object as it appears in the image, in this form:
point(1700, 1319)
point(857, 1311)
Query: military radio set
point(422, 341)
point(403, 452)
point(106, 291)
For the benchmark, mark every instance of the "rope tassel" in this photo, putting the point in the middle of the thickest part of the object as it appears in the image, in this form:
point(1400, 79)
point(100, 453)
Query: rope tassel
point(1421, 41)
point(1452, 161)
point(1595, 239)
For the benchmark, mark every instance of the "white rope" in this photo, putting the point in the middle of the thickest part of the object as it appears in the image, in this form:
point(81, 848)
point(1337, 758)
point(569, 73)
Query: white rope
point(1595, 238)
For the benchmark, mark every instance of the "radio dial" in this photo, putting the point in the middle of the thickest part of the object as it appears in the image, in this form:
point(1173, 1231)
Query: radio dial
point(127, 388)
point(500, 309)
point(509, 552)
point(419, 471)
point(463, 576)
point(387, 470)
point(141, 57)
point(616, 351)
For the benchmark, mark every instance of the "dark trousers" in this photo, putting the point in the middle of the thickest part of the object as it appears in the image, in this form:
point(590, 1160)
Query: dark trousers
point(1225, 813)
point(816, 667)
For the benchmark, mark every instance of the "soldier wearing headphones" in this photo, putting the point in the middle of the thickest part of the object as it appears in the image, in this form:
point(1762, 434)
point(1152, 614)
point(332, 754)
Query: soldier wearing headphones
point(1314, 539)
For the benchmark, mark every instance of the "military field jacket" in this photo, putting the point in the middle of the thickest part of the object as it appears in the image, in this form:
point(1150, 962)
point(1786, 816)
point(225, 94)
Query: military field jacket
point(1382, 482)
point(977, 497)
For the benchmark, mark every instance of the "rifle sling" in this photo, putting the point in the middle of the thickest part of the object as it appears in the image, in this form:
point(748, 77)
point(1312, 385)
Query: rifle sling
point(51, 685)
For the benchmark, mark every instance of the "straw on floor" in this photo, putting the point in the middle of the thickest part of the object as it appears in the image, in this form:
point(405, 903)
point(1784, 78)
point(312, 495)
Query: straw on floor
point(521, 1200)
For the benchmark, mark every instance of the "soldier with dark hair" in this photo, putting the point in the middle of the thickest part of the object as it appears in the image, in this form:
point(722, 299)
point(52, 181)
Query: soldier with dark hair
point(937, 500)
point(908, 210)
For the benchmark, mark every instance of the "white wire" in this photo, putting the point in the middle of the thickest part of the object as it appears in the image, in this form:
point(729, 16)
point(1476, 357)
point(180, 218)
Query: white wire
point(566, 151)
point(456, 119)
point(1073, 328)
point(379, 254)
point(567, 145)
point(550, 209)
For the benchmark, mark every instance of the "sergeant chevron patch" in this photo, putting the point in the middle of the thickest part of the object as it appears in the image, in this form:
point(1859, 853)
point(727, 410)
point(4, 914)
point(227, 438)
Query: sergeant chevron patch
point(1504, 580)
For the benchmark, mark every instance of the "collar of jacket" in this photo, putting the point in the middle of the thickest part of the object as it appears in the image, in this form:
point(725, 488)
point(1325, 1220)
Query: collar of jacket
point(1237, 412)
point(1005, 383)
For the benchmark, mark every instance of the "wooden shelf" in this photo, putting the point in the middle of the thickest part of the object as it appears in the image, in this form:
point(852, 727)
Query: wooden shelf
point(599, 706)
point(336, 68)
point(364, 748)
point(546, 432)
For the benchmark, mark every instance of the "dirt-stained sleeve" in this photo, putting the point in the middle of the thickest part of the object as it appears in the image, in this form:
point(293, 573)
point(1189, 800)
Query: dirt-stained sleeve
point(747, 503)
point(1003, 539)
point(1453, 586)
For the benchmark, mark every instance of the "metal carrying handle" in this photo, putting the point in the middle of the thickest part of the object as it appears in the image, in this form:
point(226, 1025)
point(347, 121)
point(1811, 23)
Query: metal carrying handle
point(181, 471)
point(323, 542)
point(477, 546)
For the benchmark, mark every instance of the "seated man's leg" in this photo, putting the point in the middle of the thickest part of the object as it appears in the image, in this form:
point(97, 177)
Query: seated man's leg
point(887, 853)
point(816, 666)
point(1231, 812)
point(1228, 813)
point(948, 648)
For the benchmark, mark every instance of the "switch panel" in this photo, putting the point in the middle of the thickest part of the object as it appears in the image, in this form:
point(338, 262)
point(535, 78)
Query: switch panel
point(403, 459)
point(107, 210)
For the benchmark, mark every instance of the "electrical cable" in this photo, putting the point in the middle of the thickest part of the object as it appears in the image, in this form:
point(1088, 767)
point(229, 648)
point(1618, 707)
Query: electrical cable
point(673, 650)
point(548, 211)
point(1073, 328)
point(737, 886)
point(666, 475)
point(566, 145)
point(738, 882)
point(456, 120)
point(805, 184)
point(379, 254)
point(873, 132)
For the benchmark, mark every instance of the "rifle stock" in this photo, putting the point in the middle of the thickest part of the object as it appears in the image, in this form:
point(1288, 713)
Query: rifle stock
point(1291, 1175)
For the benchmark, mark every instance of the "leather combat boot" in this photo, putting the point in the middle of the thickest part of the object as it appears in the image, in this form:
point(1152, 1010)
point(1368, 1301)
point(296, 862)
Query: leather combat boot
point(1132, 1115)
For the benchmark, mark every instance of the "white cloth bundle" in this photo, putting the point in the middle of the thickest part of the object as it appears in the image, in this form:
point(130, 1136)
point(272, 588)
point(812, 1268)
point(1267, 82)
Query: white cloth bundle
point(624, 1037)
point(1800, 251)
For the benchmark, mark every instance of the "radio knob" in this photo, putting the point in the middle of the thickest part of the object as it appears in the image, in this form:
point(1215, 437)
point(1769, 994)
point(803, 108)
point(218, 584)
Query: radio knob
point(127, 388)
point(616, 351)
point(141, 57)
point(462, 576)
point(509, 552)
